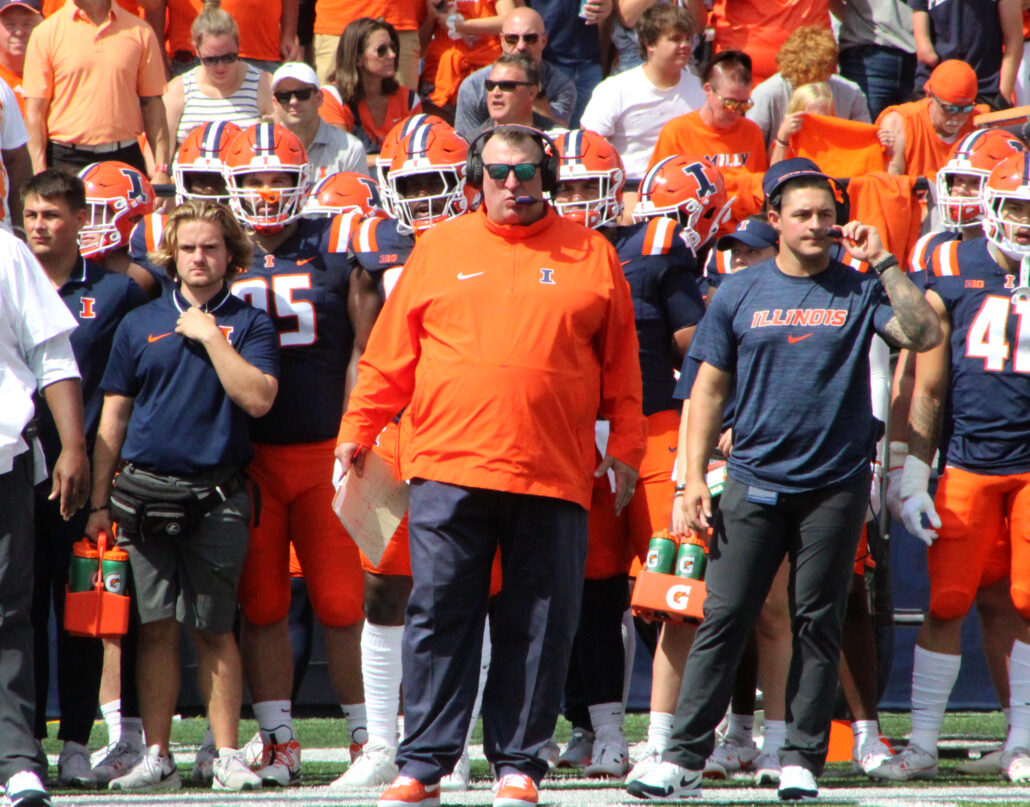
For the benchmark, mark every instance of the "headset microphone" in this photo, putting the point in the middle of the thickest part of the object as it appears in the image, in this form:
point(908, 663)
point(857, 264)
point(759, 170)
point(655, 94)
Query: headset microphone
point(527, 200)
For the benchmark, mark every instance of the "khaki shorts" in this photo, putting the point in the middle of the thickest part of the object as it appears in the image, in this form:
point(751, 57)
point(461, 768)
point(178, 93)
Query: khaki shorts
point(194, 576)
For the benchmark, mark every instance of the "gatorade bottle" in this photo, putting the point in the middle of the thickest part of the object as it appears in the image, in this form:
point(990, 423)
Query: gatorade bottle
point(661, 553)
point(691, 560)
point(116, 571)
point(83, 567)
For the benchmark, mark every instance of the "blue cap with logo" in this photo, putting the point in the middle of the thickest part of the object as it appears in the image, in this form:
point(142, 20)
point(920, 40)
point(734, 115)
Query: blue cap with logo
point(786, 170)
point(754, 232)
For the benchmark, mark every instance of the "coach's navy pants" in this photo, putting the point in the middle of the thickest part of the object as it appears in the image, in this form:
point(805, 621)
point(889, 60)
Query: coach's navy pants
point(454, 532)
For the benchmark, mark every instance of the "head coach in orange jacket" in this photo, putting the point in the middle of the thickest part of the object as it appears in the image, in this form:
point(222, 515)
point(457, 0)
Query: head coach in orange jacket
point(510, 332)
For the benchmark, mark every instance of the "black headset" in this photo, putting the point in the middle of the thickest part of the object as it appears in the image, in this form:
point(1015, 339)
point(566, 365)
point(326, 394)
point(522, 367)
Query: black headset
point(548, 163)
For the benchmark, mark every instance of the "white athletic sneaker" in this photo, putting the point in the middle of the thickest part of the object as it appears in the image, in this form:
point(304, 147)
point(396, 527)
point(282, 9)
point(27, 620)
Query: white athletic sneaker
point(987, 764)
point(767, 768)
point(797, 783)
point(909, 764)
point(646, 763)
point(118, 761)
point(204, 764)
point(230, 772)
point(458, 780)
point(152, 772)
point(667, 781)
point(253, 751)
point(1015, 765)
point(73, 768)
point(730, 756)
point(609, 756)
point(375, 767)
point(578, 752)
point(280, 764)
point(25, 789)
point(550, 753)
point(870, 756)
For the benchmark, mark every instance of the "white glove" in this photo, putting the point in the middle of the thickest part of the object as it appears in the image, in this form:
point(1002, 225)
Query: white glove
point(917, 502)
point(896, 466)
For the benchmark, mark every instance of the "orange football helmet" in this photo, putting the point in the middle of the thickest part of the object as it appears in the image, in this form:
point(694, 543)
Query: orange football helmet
point(117, 196)
point(201, 153)
point(975, 155)
point(388, 151)
point(343, 192)
point(1010, 180)
point(690, 191)
point(586, 155)
point(427, 177)
point(262, 148)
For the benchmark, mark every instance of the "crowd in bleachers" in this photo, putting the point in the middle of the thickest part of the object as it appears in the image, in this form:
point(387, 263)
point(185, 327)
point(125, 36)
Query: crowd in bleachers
point(337, 133)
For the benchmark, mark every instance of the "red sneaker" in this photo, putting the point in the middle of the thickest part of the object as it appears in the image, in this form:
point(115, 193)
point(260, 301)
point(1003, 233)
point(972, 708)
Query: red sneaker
point(408, 792)
point(515, 790)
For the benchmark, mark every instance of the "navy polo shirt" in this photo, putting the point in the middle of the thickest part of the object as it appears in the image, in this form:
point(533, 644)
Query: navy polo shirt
point(183, 421)
point(799, 347)
point(98, 300)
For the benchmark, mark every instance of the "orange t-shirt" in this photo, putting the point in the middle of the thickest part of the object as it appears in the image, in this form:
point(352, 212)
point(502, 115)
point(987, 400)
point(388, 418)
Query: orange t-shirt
point(14, 81)
point(332, 16)
point(737, 149)
point(447, 61)
point(925, 151)
point(505, 343)
point(759, 27)
point(258, 23)
point(401, 105)
point(93, 75)
point(841, 148)
point(134, 8)
point(889, 203)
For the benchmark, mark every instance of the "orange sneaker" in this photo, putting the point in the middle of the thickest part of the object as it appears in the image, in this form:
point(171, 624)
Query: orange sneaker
point(515, 790)
point(408, 792)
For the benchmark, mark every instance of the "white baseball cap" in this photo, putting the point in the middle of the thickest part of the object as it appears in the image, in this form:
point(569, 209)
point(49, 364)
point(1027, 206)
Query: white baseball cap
point(299, 71)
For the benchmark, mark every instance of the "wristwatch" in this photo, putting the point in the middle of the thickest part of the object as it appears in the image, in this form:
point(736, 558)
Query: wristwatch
point(879, 268)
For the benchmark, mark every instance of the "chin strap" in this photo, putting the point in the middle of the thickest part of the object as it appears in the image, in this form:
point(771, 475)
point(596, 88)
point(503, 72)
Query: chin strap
point(1022, 292)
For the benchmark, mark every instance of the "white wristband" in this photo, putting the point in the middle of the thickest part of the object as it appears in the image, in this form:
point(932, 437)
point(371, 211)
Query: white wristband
point(916, 477)
point(898, 452)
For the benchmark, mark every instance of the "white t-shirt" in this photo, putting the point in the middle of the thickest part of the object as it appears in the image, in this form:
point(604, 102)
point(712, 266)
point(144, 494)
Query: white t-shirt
point(12, 135)
point(34, 346)
point(630, 111)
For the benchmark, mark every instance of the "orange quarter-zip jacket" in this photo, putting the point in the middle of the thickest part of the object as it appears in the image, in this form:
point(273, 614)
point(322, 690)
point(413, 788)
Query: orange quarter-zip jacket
point(506, 343)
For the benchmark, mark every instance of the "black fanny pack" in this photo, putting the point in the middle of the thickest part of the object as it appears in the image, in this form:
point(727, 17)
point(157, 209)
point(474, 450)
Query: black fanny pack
point(147, 505)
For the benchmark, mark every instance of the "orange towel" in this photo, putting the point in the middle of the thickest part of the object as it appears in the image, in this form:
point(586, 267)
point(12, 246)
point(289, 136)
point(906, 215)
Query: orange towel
point(841, 148)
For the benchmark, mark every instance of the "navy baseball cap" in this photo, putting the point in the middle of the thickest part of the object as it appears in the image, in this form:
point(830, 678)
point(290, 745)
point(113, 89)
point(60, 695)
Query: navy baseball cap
point(753, 232)
point(786, 170)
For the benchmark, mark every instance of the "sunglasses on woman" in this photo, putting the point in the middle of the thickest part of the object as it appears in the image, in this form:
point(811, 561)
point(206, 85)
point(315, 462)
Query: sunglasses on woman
point(383, 50)
point(225, 58)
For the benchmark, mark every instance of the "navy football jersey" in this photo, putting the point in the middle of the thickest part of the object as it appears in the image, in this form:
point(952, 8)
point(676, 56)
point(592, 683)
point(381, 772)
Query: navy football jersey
point(98, 300)
point(144, 239)
point(925, 255)
point(989, 388)
point(381, 250)
point(799, 347)
point(303, 286)
point(659, 267)
point(183, 421)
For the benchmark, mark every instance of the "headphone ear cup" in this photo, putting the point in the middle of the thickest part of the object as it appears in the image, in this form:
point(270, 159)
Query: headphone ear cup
point(549, 173)
point(841, 203)
point(474, 170)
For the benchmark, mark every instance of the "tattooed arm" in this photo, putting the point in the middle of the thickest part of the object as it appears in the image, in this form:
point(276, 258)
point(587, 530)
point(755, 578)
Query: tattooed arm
point(930, 389)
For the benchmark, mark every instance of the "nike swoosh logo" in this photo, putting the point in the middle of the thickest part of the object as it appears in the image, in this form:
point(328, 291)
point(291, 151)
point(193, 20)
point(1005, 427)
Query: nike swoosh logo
point(306, 260)
point(671, 448)
point(153, 338)
point(463, 276)
point(792, 339)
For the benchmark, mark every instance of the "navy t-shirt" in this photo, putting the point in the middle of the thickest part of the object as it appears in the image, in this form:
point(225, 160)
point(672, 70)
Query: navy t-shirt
point(183, 421)
point(98, 300)
point(570, 40)
point(969, 30)
point(989, 387)
point(799, 347)
point(660, 268)
point(302, 286)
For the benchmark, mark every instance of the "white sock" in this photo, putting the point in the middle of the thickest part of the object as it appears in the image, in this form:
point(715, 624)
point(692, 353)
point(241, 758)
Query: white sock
point(629, 652)
point(112, 714)
point(484, 673)
point(381, 672)
point(933, 676)
point(275, 719)
point(774, 735)
point(741, 728)
point(357, 722)
point(132, 732)
point(606, 716)
point(659, 730)
point(1007, 714)
point(1019, 697)
point(865, 731)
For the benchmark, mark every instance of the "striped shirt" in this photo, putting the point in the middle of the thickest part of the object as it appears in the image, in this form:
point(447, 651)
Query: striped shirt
point(241, 107)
